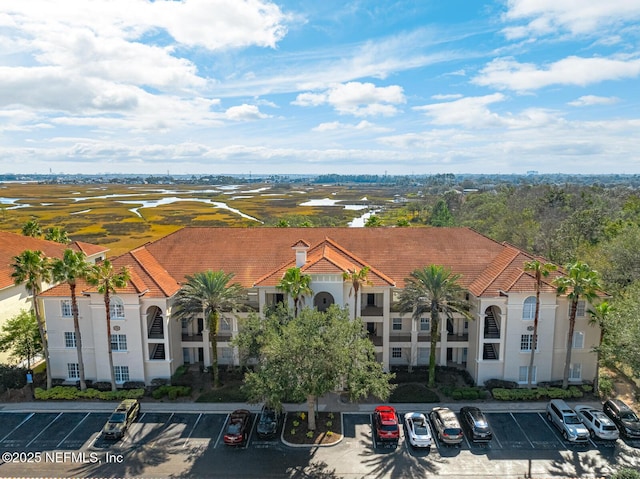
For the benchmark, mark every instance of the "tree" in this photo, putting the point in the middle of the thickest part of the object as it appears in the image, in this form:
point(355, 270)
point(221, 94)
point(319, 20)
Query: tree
point(58, 235)
point(357, 278)
point(440, 214)
point(32, 268)
point(296, 285)
point(435, 290)
point(539, 271)
point(209, 293)
point(32, 228)
point(580, 282)
point(313, 354)
point(69, 269)
point(20, 336)
point(373, 221)
point(107, 281)
point(622, 333)
point(599, 316)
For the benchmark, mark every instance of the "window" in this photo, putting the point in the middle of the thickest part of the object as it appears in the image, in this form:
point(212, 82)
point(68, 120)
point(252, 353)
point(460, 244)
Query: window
point(65, 306)
point(424, 324)
point(578, 340)
point(397, 324)
point(525, 342)
point(529, 308)
point(227, 353)
point(116, 308)
point(73, 371)
point(580, 309)
point(423, 353)
point(118, 342)
point(523, 374)
point(69, 339)
point(396, 352)
point(121, 373)
point(225, 324)
point(575, 372)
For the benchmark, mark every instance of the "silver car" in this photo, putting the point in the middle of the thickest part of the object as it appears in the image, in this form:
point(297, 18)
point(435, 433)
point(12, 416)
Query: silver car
point(597, 422)
point(418, 430)
point(567, 421)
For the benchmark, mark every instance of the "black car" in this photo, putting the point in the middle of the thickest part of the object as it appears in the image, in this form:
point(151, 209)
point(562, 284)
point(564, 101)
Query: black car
point(268, 423)
point(622, 415)
point(475, 424)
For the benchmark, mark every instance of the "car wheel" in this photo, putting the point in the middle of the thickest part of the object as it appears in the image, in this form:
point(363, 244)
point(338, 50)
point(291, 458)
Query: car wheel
point(564, 434)
point(592, 434)
point(548, 417)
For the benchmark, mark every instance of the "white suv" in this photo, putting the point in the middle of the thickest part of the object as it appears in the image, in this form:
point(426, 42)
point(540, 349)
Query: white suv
point(567, 421)
point(598, 423)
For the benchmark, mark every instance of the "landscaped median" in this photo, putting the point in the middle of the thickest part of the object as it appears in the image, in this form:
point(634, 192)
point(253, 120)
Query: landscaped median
point(573, 392)
point(296, 433)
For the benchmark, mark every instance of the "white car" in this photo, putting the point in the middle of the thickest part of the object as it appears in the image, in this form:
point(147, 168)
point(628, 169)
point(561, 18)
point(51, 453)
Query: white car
point(597, 422)
point(418, 430)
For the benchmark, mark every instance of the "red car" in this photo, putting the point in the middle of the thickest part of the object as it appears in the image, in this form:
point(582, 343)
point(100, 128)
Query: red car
point(385, 423)
point(237, 430)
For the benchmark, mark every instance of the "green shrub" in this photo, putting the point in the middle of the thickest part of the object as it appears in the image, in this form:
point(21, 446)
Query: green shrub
point(626, 473)
point(456, 394)
point(605, 385)
point(72, 393)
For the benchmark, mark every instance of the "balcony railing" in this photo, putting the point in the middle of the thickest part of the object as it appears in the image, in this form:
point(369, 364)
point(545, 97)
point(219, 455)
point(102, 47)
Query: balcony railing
point(192, 337)
point(372, 311)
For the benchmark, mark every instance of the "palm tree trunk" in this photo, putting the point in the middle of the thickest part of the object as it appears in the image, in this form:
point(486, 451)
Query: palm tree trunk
point(434, 340)
point(567, 361)
point(596, 380)
point(213, 336)
point(76, 327)
point(43, 337)
point(534, 339)
point(107, 304)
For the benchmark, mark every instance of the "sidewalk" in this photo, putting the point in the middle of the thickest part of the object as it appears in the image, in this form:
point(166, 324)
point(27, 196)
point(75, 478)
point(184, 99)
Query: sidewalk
point(331, 402)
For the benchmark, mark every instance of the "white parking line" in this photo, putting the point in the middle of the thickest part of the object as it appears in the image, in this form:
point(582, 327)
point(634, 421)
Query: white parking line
point(192, 429)
point(552, 429)
point(224, 426)
point(71, 432)
point(23, 421)
point(45, 428)
point(522, 430)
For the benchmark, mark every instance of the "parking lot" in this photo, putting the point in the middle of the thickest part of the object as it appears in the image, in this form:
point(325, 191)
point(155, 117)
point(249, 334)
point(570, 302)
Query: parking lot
point(184, 443)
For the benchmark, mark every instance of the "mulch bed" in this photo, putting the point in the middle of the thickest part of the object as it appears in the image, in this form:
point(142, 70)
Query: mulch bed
point(328, 429)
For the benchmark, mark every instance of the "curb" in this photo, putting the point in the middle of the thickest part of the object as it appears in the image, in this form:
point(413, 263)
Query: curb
point(309, 446)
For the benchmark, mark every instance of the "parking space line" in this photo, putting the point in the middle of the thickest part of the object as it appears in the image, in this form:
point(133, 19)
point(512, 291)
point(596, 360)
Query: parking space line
point(553, 430)
point(246, 443)
point(522, 430)
point(224, 426)
point(43, 430)
point(495, 438)
point(71, 432)
point(23, 421)
point(192, 429)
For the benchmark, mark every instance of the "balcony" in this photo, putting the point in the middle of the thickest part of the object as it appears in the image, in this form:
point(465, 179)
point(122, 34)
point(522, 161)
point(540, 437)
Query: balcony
point(372, 311)
point(376, 340)
point(457, 338)
point(400, 337)
point(192, 337)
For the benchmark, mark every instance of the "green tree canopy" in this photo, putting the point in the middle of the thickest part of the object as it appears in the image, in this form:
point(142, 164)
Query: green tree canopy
point(20, 337)
point(296, 285)
point(440, 214)
point(32, 228)
point(312, 354)
point(57, 234)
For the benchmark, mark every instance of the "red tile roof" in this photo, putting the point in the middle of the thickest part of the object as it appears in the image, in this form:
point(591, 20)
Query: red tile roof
point(13, 244)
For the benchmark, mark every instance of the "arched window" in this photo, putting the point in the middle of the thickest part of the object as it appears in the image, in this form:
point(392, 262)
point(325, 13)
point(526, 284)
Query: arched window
point(323, 300)
point(529, 308)
point(116, 308)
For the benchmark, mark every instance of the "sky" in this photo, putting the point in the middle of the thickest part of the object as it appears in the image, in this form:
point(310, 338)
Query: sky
point(312, 87)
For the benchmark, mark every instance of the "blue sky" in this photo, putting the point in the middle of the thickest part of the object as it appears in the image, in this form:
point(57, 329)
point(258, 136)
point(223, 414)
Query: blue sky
point(308, 86)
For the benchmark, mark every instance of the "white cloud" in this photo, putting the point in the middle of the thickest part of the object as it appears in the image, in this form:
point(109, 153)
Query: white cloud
point(470, 112)
point(589, 100)
point(358, 99)
point(453, 96)
point(543, 17)
point(507, 73)
point(244, 113)
point(339, 126)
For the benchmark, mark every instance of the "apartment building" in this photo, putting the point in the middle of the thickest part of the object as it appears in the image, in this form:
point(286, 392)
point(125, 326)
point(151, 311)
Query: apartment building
point(148, 342)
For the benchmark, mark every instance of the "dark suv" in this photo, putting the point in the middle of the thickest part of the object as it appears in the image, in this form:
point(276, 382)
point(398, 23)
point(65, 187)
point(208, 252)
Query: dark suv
point(622, 415)
point(268, 423)
point(126, 412)
point(475, 423)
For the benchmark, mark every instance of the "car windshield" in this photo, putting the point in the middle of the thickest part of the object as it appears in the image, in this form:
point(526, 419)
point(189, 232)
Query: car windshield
point(629, 416)
point(609, 428)
point(482, 428)
point(234, 428)
point(267, 418)
point(452, 432)
point(118, 417)
point(389, 427)
point(420, 429)
point(570, 419)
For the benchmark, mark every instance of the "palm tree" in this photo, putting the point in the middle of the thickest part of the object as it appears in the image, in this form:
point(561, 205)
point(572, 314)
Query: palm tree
point(32, 228)
point(58, 235)
point(580, 282)
point(32, 268)
point(209, 293)
point(539, 271)
point(69, 269)
point(599, 316)
point(296, 285)
point(434, 289)
point(107, 281)
point(357, 278)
